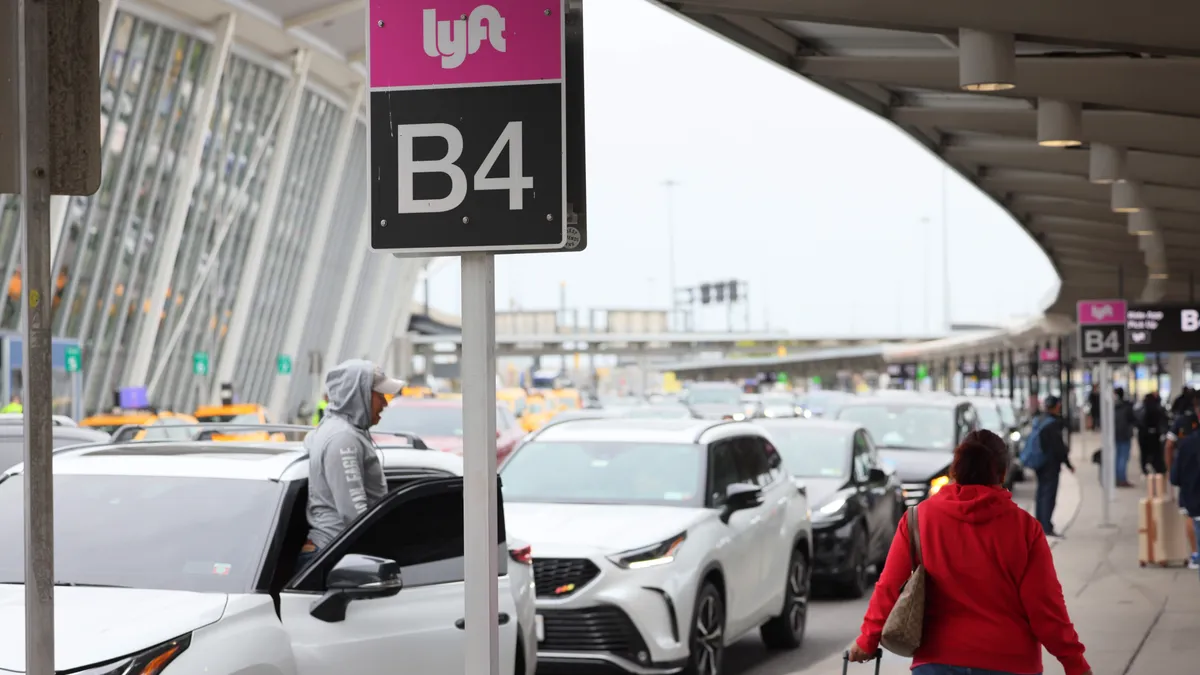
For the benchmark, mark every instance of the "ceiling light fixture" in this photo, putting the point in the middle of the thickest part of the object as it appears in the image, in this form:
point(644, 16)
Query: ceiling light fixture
point(1106, 164)
point(1126, 197)
point(1059, 123)
point(987, 61)
point(1142, 223)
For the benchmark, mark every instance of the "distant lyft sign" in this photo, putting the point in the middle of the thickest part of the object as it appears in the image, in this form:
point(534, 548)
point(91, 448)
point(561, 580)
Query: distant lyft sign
point(468, 126)
point(1102, 330)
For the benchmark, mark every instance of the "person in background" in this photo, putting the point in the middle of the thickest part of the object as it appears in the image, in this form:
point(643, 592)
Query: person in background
point(993, 598)
point(1185, 434)
point(1124, 423)
point(320, 411)
point(345, 474)
point(1151, 427)
point(1057, 455)
point(14, 406)
point(1183, 403)
point(1094, 409)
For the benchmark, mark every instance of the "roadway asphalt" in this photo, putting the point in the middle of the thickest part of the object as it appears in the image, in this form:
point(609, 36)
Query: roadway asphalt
point(832, 624)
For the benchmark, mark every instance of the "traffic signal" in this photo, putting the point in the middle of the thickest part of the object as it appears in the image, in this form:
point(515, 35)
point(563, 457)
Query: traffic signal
point(705, 293)
point(733, 291)
point(720, 291)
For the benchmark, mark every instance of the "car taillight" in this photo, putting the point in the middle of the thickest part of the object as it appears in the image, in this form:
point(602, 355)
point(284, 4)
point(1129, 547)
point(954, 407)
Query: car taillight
point(523, 555)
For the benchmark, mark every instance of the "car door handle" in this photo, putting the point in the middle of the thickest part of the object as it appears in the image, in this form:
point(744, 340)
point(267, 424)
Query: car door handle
point(461, 624)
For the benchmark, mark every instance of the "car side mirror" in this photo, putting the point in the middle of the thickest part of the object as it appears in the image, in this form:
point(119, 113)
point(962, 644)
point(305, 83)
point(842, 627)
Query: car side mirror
point(739, 497)
point(877, 475)
point(356, 577)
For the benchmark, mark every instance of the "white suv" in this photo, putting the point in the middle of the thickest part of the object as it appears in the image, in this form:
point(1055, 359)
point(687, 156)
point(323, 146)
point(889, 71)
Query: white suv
point(183, 556)
point(657, 543)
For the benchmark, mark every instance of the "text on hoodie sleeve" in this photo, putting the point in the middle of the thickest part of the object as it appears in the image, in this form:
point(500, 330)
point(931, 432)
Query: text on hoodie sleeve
point(896, 572)
point(343, 471)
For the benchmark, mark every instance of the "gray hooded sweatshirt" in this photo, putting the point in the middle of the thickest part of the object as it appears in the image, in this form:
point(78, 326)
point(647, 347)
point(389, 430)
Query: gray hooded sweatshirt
point(345, 476)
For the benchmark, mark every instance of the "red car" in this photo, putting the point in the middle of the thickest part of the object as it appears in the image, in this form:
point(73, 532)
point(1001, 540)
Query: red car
point(440, 424)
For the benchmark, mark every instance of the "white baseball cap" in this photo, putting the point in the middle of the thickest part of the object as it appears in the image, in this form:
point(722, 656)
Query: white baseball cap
point(384, 384)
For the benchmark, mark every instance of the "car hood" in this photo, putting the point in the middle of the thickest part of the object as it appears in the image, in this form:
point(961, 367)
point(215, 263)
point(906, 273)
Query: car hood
point(570, 529)
point(915, 466)
point(718, 410)
point(94, 625)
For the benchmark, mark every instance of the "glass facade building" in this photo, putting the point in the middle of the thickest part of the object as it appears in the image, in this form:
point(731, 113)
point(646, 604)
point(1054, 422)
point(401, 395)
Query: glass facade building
point(175, 153)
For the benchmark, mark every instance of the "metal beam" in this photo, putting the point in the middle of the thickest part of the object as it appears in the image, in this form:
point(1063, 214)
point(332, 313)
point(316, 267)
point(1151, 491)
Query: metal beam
point(263, 227)
point(322, 14)
point(142, 349)
point(1151, 167)
point(1077, 187)
point(315, 248)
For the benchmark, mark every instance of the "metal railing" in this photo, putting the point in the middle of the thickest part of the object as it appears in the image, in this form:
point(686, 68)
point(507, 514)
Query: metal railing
point(209, 432)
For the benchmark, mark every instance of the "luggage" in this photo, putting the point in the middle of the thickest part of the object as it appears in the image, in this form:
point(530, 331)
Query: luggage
point(846, 661)
point(1162, 537)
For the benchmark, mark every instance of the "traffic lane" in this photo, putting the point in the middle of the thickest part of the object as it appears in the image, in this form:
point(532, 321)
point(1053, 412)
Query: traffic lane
point(832, 625)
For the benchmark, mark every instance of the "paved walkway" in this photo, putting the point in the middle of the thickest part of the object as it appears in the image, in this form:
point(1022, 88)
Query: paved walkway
point(1132, 620)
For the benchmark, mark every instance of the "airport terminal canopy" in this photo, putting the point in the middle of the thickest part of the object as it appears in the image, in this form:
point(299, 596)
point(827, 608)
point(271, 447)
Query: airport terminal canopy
point(1080, 119)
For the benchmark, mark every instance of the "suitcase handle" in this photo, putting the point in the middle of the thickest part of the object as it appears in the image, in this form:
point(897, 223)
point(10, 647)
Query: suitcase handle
point(846, 661)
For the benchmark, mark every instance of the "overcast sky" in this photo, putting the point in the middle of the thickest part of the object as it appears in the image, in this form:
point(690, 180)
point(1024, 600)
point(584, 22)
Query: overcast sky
point(832, 215)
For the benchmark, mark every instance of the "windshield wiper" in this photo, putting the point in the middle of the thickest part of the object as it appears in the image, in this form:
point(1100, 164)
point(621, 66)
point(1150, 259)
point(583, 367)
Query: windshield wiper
point(75, 584)
point(906, 447)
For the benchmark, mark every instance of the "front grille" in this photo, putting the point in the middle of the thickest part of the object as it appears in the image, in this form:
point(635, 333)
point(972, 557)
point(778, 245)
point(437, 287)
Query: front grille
point(560, 577)
point(595, 629)
point(915, 493)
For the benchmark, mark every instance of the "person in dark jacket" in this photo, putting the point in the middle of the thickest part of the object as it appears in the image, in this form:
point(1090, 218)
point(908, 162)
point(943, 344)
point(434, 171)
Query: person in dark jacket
point(1057, 455)
point(993, 598)
point(1151, 427)
point(1124, 422)
point(1185, 470)
point(1094, 408)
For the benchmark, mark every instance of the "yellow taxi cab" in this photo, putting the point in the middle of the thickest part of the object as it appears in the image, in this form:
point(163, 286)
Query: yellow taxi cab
point(449, 396)
point(570, 398)
point(238, 413)
point(538, 411)
point(514, 398)
point(416, 392)
point(110, 422)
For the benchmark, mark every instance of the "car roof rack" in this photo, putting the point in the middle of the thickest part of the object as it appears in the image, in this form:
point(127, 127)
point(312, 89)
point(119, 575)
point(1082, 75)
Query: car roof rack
point(205, 431)
point(414, 441)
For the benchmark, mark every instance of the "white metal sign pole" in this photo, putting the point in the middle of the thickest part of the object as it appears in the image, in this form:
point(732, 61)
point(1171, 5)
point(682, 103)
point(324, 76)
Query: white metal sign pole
point(480, 535)
point(33, 42)
point(1108, 448)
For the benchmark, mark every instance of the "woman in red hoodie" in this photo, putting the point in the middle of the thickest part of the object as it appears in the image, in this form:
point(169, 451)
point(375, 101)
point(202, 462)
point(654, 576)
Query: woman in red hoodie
point(992, 597)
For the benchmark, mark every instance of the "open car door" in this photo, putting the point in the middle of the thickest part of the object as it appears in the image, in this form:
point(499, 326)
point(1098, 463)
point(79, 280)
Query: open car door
point(387, 594)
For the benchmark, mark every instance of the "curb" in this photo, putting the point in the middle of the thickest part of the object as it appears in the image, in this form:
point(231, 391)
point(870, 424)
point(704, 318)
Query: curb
point(1071, 477)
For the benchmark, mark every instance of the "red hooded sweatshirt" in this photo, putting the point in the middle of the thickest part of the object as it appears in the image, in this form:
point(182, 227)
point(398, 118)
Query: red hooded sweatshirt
point(992, 597)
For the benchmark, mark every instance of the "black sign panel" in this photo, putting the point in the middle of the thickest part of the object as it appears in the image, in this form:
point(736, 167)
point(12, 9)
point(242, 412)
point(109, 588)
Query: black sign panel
point(1102, 342)
point(490, 180)
point(1163, 328)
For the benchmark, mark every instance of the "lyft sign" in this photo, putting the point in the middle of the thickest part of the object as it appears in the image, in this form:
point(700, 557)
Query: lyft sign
point(468, 126)
point(1102, 331)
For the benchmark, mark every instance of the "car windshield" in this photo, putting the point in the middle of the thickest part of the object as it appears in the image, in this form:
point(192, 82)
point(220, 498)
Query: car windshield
point(826, 403)
point(911, 427)
point(170, 533)
point(715, 395)
point(1007, 414)
point(422, 420)
point(989, 418)
point(813, 452)
point(587, 472)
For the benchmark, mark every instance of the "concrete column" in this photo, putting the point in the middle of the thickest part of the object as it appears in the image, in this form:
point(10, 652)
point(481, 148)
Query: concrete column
point(401, 308)
point(263, 228)
point(341, 322)
point(1175, 367)
point(189, 173)
point(315, 249)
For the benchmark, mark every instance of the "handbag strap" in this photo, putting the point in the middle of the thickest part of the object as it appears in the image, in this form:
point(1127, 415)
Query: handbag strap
point(914, 538)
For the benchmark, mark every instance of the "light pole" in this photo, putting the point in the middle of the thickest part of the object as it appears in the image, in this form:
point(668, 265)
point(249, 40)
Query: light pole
point(670, 185)
point(925, 272)
point(946, 254)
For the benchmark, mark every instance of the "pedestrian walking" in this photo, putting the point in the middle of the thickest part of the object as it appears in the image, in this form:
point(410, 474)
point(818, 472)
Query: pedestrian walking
point(1183, 458)
point(1094, 408)
point(1151, 427)
point(1046, 453)
point(992, 598)
point(1124, 423)
point(14, 405)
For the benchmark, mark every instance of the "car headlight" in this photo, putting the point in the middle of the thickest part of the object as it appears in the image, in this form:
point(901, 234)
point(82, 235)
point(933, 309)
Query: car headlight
point(650, 556)
point(937, 484)
point(738, 417)
point(1015, 436)
point(808, 413)
point(831, 510)
point(150, 662)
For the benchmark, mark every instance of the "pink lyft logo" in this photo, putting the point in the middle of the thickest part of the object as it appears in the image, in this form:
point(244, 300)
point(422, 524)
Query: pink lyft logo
point(453, 40)
point(1100, 311)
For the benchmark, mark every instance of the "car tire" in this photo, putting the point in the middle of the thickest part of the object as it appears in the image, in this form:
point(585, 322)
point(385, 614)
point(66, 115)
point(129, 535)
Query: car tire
point(855, 583)
point(786, 631)
point(706, 640)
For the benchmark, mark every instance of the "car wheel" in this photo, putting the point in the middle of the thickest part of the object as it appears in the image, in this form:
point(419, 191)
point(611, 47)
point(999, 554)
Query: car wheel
point(786, 631)
point(706, 646)
point(855, 584)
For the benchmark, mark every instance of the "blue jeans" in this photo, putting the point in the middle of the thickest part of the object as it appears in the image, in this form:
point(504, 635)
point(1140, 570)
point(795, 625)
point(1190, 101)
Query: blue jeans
point(1047, 495)
point(1123, 449)
point(939, 669)
point(305, 558)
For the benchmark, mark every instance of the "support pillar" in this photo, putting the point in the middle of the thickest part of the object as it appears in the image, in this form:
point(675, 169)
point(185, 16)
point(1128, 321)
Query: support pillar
point(358, 258)
point(1175, 371)
point(142, 350)
point(263, 228)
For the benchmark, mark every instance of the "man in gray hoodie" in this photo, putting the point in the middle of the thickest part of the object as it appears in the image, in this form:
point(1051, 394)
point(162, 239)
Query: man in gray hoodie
point(345, 476)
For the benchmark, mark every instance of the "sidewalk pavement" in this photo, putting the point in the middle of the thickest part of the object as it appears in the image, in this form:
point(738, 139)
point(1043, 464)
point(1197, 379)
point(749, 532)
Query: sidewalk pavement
point(1132, 620)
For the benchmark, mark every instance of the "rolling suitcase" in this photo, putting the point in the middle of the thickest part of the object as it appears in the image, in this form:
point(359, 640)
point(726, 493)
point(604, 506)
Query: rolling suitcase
point(1162, 539)
point(846, 661)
